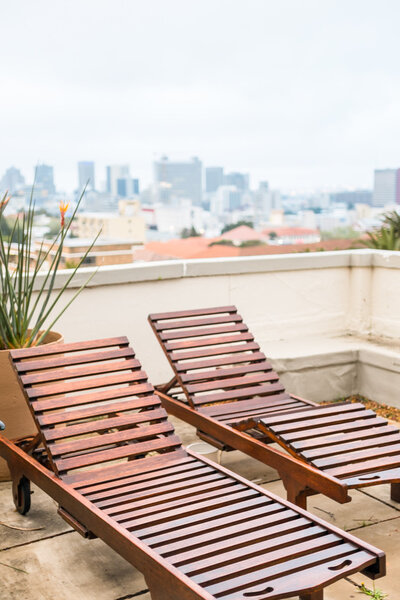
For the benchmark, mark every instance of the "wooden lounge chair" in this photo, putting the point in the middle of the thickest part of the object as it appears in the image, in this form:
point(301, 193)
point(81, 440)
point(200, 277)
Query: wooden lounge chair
point(107, 454)
point(225, 386)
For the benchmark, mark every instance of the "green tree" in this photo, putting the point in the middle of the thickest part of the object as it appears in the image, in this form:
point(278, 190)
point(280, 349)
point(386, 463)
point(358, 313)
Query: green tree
point(238, 224)
point(191, 232)
point(250, 243)
point(387, 237)
point(221, 243)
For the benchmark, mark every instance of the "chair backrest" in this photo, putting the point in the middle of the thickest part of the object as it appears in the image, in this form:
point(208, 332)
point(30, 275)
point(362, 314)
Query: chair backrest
point(92, 404)
point(214, 356)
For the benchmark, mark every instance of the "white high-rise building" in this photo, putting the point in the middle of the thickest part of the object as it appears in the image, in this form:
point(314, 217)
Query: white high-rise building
point(115, 172)
point(86, 174)
point(174, 180)
point(386, 187)
point(265, 201)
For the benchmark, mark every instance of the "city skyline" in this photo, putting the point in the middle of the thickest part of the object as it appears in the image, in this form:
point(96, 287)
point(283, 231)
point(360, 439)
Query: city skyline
point(102, 184)
point(303, 94)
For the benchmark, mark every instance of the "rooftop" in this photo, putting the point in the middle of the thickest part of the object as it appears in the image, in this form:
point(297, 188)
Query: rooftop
point(330, 323)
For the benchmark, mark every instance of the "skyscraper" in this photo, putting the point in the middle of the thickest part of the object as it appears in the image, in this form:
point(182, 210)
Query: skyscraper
point(240, 180)
point(181, 179)
point(115, 172)
point(86, 175)
point(214, 178)
point(44, 178)
point(11, 181)
point(386, 187)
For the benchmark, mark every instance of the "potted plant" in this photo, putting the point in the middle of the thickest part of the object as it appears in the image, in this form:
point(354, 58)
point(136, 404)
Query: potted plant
point(30, 306)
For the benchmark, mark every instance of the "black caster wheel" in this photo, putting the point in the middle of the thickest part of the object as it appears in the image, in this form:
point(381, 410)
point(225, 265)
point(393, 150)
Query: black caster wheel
point(22, 495)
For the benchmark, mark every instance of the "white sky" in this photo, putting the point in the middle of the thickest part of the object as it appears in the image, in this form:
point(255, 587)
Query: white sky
point(303, 93)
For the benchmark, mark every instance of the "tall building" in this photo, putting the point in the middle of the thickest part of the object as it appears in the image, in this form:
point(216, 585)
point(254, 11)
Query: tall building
point(126, 186)
point(11, 181)
point(214, 178)
point(86, 175)
point(265, 202)
point(115, 172)
point(240, 180)
point(178, 180)
point(386, 187)
point(226, 199)
point(44, 178)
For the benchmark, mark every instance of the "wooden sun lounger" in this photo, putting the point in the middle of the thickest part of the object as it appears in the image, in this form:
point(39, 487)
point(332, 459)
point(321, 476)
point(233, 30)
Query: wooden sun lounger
point(107, 454)
point(225, 386)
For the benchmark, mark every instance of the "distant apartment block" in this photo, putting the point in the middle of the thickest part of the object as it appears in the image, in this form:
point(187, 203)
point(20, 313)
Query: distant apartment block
point(11, 181)
point(86, 175)
point(386, 187)
point(352, 197)
point(128, 224)
point(291, 235)
point(214, 178)
point(178, 180)
point(104, 252)
point(44, 178)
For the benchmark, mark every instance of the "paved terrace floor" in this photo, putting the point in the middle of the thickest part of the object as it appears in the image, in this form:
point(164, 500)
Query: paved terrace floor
point(53, 562)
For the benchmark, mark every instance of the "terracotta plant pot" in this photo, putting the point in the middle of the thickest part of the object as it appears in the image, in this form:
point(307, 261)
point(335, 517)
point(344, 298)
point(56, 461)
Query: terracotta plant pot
point(14, 411)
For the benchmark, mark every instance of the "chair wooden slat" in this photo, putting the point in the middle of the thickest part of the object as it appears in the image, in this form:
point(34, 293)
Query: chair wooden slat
point(180, 314)
point(49, 349)
point(82, 371)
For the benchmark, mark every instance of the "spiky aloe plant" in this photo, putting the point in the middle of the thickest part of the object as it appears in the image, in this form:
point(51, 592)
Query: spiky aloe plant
point(29, 310)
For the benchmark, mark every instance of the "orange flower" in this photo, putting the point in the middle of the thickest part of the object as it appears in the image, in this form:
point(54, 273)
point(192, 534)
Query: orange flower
point(63, 209)
point(3, 203)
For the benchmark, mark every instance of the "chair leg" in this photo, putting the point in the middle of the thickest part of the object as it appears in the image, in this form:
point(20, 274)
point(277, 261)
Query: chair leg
point(158, 591)
point(21, 490)
point(314, 596)
point(295, 493)
point(395, 491)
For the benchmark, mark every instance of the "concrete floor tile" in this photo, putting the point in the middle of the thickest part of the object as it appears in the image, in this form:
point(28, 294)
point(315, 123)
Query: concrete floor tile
point(67, 567)
point(237, 461)
point(248, 467)
point(43, 515)
point(362, 511)
point(385, 536)
point(381, 492)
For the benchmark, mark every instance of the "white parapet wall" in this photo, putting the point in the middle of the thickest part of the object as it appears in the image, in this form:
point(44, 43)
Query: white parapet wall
point(318, 316)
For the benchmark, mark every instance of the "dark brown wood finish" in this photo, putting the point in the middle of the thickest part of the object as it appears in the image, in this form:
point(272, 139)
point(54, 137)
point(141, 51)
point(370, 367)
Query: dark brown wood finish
point(345, 440)
point(169, 513)
point(233, 385)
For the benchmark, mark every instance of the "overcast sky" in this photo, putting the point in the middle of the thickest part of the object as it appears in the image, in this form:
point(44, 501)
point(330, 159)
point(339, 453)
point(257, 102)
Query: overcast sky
point(303, 93)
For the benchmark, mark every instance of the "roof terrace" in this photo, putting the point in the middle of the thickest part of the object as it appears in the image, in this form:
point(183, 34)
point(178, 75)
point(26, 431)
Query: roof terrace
point(329, 322)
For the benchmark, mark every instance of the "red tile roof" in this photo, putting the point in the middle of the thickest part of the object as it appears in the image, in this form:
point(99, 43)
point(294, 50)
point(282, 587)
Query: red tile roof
point(198, 247)
point(291, 231)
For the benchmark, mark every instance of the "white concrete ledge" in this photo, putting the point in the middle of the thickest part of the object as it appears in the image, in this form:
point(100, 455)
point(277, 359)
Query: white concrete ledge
point(174, 269)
